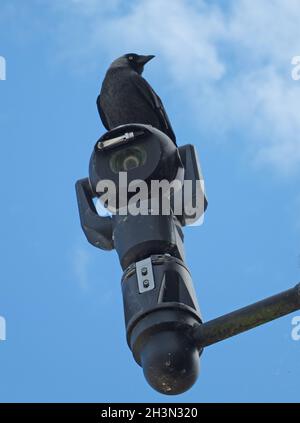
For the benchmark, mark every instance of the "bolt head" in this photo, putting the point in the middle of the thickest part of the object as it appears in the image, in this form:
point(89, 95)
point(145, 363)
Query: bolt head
point(146, 283)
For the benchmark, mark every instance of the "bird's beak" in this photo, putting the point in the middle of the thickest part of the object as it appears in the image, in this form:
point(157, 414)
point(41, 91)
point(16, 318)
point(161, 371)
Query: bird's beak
point(142, 60)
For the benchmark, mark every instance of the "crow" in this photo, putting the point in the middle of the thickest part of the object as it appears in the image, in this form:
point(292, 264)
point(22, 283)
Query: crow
point(126, 97)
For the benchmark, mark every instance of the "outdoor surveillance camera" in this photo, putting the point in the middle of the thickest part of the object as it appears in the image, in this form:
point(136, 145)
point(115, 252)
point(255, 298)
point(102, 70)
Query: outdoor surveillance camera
point(153, 189)
point(142, 151)
point(160, 304)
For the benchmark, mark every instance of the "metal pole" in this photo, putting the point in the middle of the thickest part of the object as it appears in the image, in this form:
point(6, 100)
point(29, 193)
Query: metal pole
point(246, 318)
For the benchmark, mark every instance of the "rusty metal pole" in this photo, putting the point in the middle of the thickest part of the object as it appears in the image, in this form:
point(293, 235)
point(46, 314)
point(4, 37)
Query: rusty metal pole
point(247, 318)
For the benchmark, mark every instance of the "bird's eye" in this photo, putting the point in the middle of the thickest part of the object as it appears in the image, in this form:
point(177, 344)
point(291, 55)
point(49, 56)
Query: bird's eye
point(130, 57)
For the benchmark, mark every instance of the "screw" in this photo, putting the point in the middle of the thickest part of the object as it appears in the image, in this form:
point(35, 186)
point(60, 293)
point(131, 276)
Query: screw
point(146, 283)
point(144, 271)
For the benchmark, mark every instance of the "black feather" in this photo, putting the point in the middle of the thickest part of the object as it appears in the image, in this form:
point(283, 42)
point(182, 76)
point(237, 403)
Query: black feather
point(126, 97)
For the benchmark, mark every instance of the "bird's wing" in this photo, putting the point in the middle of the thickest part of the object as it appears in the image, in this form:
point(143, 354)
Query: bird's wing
point(101, 114)
point(154, 100)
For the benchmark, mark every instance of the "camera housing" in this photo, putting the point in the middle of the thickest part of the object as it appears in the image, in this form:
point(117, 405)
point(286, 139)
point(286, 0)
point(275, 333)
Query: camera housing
point(142, 151)
point(160, 304)
point(146, 154)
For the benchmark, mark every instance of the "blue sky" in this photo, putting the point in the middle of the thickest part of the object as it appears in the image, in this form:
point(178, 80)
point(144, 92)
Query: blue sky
point(223, 70)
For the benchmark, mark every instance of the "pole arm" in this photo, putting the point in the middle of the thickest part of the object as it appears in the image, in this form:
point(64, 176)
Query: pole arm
point(247, 318)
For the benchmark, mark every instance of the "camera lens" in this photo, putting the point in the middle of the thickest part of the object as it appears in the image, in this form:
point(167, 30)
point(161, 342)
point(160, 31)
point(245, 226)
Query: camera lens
point(131, 162)
point(127, 159)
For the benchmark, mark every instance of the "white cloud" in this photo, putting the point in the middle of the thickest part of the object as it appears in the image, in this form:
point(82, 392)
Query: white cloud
point(233, 64)
point(84, 268)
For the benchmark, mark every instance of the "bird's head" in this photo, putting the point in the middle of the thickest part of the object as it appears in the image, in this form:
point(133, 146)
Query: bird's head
point(134, 61)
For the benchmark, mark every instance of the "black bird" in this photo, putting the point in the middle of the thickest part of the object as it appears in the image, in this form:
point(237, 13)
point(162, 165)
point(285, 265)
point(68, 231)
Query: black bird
point(126, 97)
